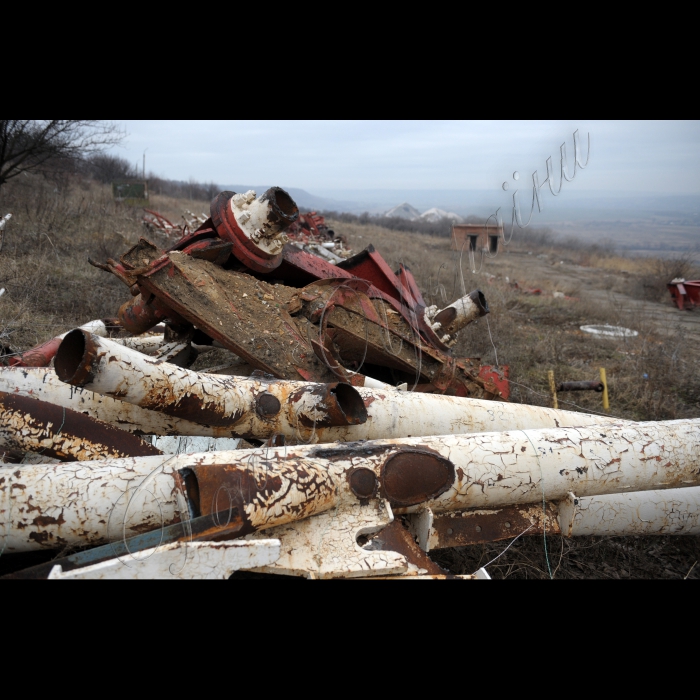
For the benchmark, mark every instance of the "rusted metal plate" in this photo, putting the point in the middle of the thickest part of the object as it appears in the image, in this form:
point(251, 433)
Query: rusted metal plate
point(496, 380)
point(371, 266)
point(36, 426)
point(415, 476)
point(396, 538)
point(459, 529)
point(249, 317)
point(361, 341)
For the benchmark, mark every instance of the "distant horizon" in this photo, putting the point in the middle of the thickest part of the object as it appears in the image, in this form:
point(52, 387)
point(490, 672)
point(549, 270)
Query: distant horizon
point(332, 156)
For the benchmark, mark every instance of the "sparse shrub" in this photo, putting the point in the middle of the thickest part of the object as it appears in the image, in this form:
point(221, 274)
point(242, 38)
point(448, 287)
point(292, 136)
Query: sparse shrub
point(658, 272)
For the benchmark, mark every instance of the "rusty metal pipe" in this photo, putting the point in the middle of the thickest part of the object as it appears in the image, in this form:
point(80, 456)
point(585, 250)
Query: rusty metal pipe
point(667, 512)
point(42, 383)
point(30, 425)
point(138, 316)
point(256, 408)
point(580, 386)
point(255, 227)
point(278, 485)
point(302, 411)
point(41, 355)
point(447, 322)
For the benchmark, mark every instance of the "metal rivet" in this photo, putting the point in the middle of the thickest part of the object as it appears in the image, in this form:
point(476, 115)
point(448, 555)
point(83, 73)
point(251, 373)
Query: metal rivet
point(450, 531)
point(478, 528)
point(507, 524)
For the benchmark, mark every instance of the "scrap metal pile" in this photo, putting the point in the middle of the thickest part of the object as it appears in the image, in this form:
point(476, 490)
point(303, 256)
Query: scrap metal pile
point(369, 444)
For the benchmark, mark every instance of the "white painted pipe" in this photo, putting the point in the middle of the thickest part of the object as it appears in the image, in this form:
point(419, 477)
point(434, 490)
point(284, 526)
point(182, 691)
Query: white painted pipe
point(29, 425)
point(84, 503)
point(275, 486)
point(519, 466)
point(146, 344)
point(449, 321)
point(43, 384)
point(302, 408)
point(180, 560)
point(257, 408)
point(668, 512)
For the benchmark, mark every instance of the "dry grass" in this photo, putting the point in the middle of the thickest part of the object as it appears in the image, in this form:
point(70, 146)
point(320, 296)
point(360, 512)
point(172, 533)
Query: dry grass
point(44, 266)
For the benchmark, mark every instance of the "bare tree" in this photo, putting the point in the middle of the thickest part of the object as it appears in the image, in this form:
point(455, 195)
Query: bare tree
point(107, 168)
point(34, 144)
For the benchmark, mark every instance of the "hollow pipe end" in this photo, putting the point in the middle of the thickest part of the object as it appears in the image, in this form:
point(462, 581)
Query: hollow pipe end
point(75, 358)
point(477, 296)
point(284, 209)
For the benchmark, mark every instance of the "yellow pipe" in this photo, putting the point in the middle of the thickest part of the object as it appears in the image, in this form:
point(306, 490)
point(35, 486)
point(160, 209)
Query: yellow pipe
point(553, 389)
point(606, 403)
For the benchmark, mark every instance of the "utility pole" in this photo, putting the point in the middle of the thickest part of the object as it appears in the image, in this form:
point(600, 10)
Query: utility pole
point(144, 164)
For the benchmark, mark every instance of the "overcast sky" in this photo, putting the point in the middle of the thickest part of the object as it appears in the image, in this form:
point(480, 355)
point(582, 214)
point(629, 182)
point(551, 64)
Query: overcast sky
point(325, 156)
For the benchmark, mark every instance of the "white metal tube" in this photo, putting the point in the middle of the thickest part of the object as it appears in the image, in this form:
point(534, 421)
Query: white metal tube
point(84, 503)
point(43, 384)
point(668, 512)
point(146, 344)
point(530, 466)
point(274, 486)
point(257, 408)
point(298, 410)
point(449, 321)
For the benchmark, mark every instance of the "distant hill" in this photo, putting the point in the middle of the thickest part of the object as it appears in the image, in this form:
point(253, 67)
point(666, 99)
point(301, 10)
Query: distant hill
point(434, 215)
point(404, 211)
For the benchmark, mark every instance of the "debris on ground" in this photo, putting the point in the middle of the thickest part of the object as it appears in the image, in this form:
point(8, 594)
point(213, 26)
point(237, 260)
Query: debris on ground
point(3, 224)
point(685, 294)
point(266, 401)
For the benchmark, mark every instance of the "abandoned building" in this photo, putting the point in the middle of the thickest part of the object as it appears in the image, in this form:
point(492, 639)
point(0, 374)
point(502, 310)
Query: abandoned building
point(476, 237)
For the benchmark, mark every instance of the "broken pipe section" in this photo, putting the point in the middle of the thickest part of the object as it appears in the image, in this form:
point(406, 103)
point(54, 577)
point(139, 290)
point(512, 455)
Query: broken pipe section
point(257, 408)
point(30, 425)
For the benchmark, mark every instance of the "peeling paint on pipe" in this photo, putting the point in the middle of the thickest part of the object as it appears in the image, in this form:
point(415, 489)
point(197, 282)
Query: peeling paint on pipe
point(84, 503)
point(146, 344)
point(257, 408)
point(449, 321)
point(36, 426)
point(43, 384)
point(275, 486)
point(302, 411)
point(668, 512)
